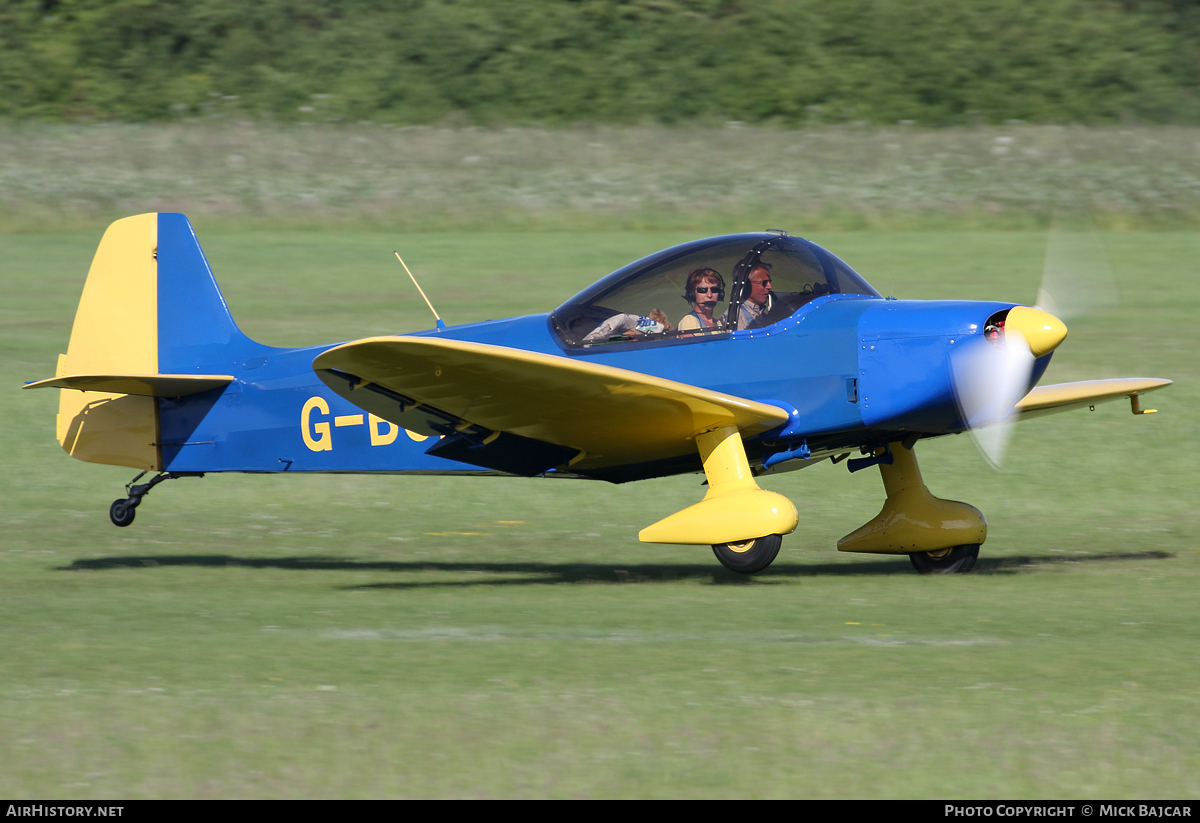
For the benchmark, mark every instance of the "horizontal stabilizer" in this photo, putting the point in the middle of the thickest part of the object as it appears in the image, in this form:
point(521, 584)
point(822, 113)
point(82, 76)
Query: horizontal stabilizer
point(1064, 396)
point(614, 416)
point(143, 385)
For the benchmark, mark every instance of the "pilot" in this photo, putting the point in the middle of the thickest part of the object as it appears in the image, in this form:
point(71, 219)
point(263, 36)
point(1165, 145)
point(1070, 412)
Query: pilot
point(756, 302)
point(704, 288)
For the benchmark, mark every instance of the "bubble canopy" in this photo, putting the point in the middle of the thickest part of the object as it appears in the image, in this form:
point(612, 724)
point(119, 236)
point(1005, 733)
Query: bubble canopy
point(648, 299)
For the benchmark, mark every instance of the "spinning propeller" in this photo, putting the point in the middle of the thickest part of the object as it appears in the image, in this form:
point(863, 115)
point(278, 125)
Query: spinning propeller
point(993, 371)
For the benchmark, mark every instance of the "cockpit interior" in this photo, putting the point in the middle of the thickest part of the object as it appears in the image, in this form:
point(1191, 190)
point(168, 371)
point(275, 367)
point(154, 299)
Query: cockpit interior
point(705, 289)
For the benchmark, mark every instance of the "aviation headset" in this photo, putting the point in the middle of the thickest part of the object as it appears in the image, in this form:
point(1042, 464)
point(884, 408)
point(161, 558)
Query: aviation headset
point(697, 276)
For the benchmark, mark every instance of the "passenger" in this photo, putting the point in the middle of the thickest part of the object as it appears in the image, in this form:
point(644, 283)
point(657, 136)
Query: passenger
point(627, 325)
point(705, 288)
point(754, 306)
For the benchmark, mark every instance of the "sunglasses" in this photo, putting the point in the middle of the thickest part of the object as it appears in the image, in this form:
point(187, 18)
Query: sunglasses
point(707, 289)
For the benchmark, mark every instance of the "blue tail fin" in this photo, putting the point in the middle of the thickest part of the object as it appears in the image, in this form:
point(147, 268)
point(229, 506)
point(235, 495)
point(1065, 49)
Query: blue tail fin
point(195, 328)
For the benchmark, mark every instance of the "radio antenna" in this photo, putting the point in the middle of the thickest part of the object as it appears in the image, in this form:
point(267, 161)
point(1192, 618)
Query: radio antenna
point(441, 325)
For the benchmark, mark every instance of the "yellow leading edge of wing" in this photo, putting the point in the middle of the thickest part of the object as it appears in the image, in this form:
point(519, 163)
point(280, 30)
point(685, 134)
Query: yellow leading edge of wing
point(612, 415)
point(1064, 396)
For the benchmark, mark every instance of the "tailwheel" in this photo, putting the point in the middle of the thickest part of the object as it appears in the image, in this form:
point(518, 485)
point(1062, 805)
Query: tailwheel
point(955, 560)
point(749, 556)
point(122, 511)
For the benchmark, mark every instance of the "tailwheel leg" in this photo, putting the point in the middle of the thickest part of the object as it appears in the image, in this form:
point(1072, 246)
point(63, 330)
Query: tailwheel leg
point(123, 509)
point(743, 523)
point(939, 536)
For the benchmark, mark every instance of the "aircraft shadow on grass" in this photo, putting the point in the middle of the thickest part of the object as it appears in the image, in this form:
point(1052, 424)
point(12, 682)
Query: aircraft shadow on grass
point(538, 574)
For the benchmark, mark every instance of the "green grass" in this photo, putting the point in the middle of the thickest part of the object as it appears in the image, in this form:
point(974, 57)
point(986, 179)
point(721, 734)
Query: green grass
point(359, 636)
point(692, 178)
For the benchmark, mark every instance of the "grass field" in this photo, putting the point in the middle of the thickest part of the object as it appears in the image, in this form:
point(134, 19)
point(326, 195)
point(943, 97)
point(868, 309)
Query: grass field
point(357, 636)
point(699, 179)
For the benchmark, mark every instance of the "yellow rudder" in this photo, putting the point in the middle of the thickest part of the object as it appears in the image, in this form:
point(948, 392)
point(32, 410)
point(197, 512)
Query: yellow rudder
point(115, 332)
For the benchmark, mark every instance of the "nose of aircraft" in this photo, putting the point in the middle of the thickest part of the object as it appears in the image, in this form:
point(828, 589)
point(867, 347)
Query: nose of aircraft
point(1041, 330)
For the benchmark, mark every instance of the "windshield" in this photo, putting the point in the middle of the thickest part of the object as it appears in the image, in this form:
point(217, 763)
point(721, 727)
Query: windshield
point(705, 288)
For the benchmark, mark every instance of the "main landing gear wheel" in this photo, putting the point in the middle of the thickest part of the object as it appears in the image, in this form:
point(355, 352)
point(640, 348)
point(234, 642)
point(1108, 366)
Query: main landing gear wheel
point(956, 560)
point(121, 512)
point(749, 556)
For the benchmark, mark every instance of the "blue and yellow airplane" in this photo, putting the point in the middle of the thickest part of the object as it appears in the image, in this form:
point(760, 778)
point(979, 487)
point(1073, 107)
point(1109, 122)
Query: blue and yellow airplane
point(789, 359)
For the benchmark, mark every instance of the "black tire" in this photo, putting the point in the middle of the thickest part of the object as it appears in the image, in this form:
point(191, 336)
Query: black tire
point(121, 513)
point(958, 560)
point(749, 556)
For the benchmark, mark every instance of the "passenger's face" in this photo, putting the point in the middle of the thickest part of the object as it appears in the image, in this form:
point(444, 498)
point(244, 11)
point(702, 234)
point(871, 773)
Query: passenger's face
point(760, 286)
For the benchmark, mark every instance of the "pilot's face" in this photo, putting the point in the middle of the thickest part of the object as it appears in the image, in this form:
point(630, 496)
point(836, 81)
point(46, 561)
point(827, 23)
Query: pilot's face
point(760, 286)
point(707, 292)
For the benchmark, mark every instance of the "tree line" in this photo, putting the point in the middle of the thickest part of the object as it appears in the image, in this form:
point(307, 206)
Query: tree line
point(501, 62)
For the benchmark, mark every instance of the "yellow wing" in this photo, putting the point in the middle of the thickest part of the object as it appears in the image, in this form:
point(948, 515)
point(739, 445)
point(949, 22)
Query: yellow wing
point(607, 416)
point(1063, 396)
